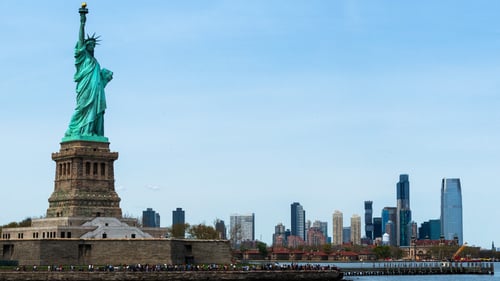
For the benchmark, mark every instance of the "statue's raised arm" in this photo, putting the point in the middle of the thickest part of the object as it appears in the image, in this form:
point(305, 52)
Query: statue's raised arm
point(87, 122)
point(83, 19)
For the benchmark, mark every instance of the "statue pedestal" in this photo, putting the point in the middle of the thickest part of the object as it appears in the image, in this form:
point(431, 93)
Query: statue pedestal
point(85, 138)
point(85, 183)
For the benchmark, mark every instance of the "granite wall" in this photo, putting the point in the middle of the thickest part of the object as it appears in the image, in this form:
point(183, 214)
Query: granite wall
point(115, 251)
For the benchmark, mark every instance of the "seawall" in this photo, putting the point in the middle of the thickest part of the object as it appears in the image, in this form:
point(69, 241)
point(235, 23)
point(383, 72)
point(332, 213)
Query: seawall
point(174, 276)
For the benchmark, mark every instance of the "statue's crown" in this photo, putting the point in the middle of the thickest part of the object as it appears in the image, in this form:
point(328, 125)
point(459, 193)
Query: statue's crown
point(93, 38)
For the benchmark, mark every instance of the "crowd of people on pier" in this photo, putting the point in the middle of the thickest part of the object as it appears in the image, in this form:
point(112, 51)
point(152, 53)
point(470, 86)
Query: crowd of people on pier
point(184, 267)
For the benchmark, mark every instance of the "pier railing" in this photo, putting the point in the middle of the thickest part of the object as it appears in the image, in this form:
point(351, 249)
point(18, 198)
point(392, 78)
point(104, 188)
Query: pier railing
point(420, 268)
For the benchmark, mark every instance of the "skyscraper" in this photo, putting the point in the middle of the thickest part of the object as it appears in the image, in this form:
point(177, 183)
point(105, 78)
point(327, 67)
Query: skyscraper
point(242, 228)
point(315, 236)
point(178, 216)
point(369, 219)
point(390, 230)
point(388, 214)
point(298, 220)
point(220, 227)
point(430, 230)
point(346, 234)
point(322, 226)
point(451, 209)
point(279, 236)
point(338, 227)
point(178, 223)
point(356, 229)
point(403, 223)
point(150, 218)
point(377, 227)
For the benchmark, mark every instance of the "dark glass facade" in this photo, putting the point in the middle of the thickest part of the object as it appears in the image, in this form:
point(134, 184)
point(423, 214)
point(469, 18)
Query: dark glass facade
point(430, 230)
point(178, 216)
point(377, 227)
point(298, 220)
point(150, 218)
point(369, 219)
point(403, 223)
point(451, 209)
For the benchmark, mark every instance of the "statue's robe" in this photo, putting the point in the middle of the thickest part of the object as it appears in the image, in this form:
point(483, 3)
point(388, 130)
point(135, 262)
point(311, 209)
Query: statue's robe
point(88, 118)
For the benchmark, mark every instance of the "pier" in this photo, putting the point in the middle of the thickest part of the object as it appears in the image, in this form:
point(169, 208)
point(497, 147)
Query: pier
point(420, 268)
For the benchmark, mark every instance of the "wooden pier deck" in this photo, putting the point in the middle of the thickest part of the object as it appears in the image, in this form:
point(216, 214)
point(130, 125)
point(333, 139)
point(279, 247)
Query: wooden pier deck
point(421, 268)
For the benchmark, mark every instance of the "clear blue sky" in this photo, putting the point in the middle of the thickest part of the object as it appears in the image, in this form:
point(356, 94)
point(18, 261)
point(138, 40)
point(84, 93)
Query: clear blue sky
point(223, 107)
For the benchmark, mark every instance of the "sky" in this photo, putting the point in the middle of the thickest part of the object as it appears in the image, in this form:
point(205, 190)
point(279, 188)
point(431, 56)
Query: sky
point(238, 107)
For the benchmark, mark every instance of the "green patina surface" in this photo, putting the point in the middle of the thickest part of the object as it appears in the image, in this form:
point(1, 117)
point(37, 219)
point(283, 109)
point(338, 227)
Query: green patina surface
point(85, 138)
point(87, 122)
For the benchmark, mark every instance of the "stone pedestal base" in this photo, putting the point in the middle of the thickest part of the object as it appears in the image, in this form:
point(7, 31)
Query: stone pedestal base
point(84, 184)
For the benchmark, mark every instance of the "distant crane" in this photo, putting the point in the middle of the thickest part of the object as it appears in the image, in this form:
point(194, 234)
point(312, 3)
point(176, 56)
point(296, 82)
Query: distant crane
point(456, 255)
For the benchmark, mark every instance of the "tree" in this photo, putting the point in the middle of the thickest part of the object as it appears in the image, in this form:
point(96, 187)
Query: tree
point(178, 230)
point(262, 247)
point(443, 252)
point(202, 231)
point(396, 253)
point(24, 223)
point(382, 252)
point(327, 248)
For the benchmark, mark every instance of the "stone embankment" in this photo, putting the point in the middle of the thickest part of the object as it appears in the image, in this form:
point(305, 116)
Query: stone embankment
point(292, 275)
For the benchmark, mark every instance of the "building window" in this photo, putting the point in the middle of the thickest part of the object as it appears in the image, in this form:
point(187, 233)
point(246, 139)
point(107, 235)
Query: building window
point(104, 235)
point(94, 172)
point(133, 235)
point(69, 234)
point(8, 251)
point(87, 168)
point(103, 169)
point(62, 234)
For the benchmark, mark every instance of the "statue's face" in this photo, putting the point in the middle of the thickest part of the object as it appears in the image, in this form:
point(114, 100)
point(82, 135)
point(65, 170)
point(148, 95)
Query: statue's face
point(90, 46)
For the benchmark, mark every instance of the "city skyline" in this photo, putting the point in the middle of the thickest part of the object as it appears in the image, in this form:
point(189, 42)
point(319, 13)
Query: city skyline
point(235, 107)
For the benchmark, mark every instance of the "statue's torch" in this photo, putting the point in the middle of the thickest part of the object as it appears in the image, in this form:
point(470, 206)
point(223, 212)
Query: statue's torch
point(83, 9)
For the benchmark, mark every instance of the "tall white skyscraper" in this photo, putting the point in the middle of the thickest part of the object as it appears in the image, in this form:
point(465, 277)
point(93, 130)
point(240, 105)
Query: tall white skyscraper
point(451, 210)
point(338, 227)
point(242, 228)
point(356, 229)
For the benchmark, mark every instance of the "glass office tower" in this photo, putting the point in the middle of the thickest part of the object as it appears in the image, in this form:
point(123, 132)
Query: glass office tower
point(298, 219)
point(242, 228)
point(150, 218)
point(369, 219)
point(451, 209)
point(403, 227)
point(178, 216)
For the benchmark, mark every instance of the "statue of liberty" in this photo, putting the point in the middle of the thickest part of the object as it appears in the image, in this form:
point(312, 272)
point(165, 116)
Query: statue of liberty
point(87, 122)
